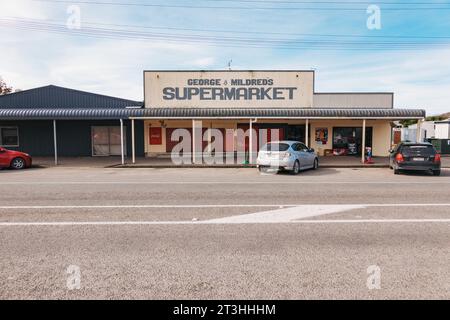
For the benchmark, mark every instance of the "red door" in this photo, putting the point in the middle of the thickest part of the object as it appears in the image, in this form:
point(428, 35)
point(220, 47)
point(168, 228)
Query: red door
point(246, 127)
point(171, 144)
point(271, 134)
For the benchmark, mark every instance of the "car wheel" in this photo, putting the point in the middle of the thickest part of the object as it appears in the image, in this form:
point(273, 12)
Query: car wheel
point(436, 172)
point(396, 171)
point(296, 167)
point(316, 164)
point(18, 163)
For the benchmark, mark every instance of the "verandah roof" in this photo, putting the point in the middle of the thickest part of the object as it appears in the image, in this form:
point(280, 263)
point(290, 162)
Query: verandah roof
point(207, 113)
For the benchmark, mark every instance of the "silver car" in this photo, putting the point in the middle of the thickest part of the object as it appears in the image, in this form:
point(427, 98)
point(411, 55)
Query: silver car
point(286, 155)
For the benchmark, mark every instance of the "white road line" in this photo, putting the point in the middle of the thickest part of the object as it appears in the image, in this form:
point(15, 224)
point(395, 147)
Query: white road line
point(143, 223)
point(446, 181)
point(286, 214)
point(222, 206)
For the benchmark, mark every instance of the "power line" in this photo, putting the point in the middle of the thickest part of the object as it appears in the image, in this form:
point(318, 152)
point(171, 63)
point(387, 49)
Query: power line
point(214, 41)
point(216, 38)
point(265, 33)
point(331, 2)
point(180, 6)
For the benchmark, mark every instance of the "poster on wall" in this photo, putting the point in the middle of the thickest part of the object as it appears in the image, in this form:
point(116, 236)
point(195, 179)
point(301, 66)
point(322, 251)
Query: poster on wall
point(321, 136)
point(155, 135)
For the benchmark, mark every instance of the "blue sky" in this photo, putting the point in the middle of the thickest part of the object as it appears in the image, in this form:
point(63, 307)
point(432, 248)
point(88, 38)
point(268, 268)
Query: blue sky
point(419, 76)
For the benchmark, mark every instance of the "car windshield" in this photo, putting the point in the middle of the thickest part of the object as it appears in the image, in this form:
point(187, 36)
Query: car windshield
point(275, 147)
point(415, 150)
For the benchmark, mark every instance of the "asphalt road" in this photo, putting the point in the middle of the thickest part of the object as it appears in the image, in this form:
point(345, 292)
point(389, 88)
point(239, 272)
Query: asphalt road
point(223, 234)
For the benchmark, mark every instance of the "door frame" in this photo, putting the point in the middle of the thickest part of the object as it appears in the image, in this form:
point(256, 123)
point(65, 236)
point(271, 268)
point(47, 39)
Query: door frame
point(109, 142)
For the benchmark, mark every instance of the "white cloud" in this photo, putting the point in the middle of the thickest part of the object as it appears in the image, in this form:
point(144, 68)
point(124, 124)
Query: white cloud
point(30, 59)
point(419, 79)
point(203, 62)
point(23, 9)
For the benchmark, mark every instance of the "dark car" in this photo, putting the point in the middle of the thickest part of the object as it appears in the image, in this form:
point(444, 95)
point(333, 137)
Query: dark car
point(411, 156)
point(14, 159)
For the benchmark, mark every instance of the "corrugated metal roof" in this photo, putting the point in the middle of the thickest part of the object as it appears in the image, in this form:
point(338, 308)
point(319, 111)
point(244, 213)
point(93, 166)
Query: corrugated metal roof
point(189, 113)
point(282, 113)
point(58, 97)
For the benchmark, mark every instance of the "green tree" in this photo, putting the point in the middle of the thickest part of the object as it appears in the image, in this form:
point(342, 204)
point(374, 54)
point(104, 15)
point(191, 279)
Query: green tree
point(408, 122)
point(4, 88)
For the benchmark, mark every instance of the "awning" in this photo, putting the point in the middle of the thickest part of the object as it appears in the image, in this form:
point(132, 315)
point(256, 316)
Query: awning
point(209, 113)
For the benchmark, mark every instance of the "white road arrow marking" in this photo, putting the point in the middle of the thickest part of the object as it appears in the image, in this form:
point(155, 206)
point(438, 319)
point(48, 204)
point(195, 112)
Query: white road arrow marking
point(286, 214)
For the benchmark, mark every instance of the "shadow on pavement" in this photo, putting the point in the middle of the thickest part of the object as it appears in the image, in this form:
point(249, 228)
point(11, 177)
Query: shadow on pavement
point(444, 173)
point(318, 172)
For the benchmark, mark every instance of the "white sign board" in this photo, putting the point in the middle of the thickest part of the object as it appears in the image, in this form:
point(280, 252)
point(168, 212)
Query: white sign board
point(228, 89)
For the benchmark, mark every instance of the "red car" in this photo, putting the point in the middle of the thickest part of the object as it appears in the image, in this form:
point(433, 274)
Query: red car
point(14, 159)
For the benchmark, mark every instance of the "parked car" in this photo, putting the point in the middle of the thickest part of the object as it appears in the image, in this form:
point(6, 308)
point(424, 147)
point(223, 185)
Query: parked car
point(411, 156)
point(286, 155)
point(14, 159)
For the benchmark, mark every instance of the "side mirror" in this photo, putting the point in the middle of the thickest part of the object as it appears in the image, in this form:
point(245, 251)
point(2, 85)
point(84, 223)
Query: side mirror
point(2, 149)
point(311, 150)
point(391, 150)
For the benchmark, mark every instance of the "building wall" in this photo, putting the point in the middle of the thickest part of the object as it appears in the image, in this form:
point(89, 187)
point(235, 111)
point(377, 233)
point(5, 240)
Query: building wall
point(381, 139)
point(74, 137)
point(442, 131)
point(354, 100)
point(35, 137)
point(381, 134)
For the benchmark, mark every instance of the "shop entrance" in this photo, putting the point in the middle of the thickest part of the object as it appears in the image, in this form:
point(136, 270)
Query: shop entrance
point(348, 140)
point(106, 141)
point(296, 133)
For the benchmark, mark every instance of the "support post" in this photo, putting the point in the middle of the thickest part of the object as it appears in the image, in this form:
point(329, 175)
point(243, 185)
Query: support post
point(307, 133)
point(193, 141)
point(363, 153)
point(55, 142)
point(133, 146)
point(121, 142)
point(419, 131)
point(250, 142)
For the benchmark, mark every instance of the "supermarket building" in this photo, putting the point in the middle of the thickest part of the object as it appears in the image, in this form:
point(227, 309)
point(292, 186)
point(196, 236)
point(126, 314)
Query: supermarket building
point(55, 121)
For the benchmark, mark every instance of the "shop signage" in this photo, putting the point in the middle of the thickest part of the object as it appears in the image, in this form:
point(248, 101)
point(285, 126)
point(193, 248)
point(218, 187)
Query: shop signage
point(155, 135)
point(229, 89)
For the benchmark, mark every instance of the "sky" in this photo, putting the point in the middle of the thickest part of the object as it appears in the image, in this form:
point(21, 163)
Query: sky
point(115, 40)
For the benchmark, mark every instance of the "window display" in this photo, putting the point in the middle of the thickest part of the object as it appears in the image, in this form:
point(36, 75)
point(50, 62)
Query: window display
point(348, 140)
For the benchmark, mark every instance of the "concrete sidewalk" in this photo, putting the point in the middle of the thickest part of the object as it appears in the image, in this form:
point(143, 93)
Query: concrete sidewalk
point(326, 162)
point(141, 162)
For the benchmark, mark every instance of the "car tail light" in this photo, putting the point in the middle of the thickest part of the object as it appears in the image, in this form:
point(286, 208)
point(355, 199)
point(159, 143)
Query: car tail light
point(437, 158)
point(399, 157)
point(285, 155)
